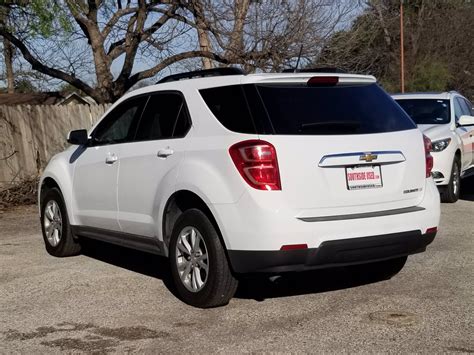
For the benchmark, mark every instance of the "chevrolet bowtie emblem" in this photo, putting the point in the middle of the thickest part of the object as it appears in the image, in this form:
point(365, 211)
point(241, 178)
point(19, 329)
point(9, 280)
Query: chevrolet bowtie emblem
point(368, 157)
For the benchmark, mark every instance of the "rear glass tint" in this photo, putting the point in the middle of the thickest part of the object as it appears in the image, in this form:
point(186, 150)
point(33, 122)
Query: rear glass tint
point(229, 105)
point(302, 110)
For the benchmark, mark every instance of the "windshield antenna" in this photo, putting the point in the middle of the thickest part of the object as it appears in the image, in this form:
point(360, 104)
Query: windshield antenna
point(298, 61)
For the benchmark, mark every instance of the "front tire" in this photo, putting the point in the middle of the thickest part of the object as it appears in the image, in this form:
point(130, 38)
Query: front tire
point(199, 265)
point(450, 193)
point(55, 226)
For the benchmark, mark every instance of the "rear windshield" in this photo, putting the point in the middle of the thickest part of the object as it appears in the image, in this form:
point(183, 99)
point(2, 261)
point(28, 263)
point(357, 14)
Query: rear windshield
point(426, 111)
point(302, 110)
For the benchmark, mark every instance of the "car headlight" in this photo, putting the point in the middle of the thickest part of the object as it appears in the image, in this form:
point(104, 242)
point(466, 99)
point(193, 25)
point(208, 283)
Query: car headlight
point(442, 144)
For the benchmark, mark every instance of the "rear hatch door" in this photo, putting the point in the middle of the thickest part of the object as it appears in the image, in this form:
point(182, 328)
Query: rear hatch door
point(343, 148)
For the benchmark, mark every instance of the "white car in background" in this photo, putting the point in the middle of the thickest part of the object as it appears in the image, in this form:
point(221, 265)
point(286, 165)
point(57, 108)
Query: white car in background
point(447, 119)
point(232, 174)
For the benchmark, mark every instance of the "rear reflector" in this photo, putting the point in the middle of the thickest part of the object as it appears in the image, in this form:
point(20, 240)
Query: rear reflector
point(256, 161)
point(431, 230)
point(323, 81)
point(294, 246)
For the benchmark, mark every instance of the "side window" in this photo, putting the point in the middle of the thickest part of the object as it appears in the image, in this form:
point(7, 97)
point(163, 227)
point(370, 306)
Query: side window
point(182, 123)
point(229, 106)
point(119, 125)
point(458, 111)
point(469, 110)
point(164, 117)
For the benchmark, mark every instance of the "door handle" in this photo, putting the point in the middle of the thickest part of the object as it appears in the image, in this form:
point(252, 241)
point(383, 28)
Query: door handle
point(110, 159)
point(165, 153)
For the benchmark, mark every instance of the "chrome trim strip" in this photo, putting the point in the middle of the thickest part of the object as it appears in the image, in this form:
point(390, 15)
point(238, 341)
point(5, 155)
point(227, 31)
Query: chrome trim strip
point(358, 154)
point(362, 215)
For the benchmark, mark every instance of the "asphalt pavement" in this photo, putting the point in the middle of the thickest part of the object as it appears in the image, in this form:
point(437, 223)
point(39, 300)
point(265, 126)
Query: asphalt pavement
point(116, 300)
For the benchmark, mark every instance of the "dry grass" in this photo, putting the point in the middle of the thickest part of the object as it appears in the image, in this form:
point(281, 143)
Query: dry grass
point(19, 194)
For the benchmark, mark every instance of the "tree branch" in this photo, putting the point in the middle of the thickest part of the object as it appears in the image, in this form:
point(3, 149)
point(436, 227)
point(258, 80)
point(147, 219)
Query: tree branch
point(80, 20)
point(115, 18)
point(37, 65)
point(132, 41)
point(117, 48)
point(159, 23)
point(171, 60)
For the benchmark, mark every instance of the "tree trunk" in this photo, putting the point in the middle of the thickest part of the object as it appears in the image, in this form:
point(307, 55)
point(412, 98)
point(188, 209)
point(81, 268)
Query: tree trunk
point(236, 43)
point(8, 55)
point(204, 45)
point(203, 37)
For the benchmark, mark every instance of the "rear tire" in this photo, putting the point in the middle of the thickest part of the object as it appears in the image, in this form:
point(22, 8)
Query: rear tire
point(198, 262)
point(450, 193)
point(57, 235)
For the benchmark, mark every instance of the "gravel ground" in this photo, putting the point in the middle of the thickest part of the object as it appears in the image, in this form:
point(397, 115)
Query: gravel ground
point(115, 300)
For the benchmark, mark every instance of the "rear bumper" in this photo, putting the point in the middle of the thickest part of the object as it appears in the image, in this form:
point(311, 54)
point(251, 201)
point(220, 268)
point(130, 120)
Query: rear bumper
point(332, 253)
point(252, 225)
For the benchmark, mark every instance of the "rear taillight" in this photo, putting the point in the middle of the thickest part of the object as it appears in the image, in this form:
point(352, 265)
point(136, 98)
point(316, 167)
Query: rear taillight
point(428, 156)
point(257, 162)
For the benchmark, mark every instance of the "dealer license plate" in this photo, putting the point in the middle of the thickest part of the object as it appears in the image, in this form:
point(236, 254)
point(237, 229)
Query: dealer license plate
point(363, 177)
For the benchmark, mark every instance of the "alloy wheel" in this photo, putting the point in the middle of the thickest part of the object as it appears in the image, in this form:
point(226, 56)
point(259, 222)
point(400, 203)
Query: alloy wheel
point(53, 223)
point(192, 259)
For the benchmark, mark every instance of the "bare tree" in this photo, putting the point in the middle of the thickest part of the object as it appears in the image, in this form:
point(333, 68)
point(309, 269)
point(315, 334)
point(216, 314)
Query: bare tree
point(268, 35)
point(113, 31)
point(104, 47)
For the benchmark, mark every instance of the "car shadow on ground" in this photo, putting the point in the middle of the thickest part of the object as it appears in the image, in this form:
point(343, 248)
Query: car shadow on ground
point(136, 261)
point(256, 287)
point(467, 189)
point(259, 287)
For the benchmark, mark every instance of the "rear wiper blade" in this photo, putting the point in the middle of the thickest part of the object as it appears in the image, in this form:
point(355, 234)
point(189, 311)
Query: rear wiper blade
point(324, 124)
point(330, 123)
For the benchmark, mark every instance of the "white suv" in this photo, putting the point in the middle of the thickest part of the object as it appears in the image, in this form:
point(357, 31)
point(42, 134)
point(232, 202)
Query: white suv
point(234, 174)
point(447, 119)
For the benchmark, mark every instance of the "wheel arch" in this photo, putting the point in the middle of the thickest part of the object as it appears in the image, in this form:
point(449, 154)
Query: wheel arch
point(458, 154)
point(58, 174)
point(46, 184)
point(179, 202)
point(49, 182)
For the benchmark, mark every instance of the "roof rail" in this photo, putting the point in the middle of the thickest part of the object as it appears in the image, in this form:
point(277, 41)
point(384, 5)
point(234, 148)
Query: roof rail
point(316, 70)
point(202, 74)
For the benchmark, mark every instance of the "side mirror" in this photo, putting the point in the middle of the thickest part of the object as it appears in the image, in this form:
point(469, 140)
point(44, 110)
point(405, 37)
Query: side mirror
point(466, 120)
point(78, 137)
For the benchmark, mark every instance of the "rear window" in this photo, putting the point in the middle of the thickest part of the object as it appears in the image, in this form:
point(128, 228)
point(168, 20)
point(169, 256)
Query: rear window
point(426, 111)
point(302, 110)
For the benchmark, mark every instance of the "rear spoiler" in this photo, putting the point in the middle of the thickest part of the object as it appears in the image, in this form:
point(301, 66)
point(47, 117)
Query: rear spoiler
point(302, 78)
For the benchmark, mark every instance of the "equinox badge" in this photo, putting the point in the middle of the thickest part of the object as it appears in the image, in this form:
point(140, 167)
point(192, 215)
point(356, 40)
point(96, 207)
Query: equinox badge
point(368, 157)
